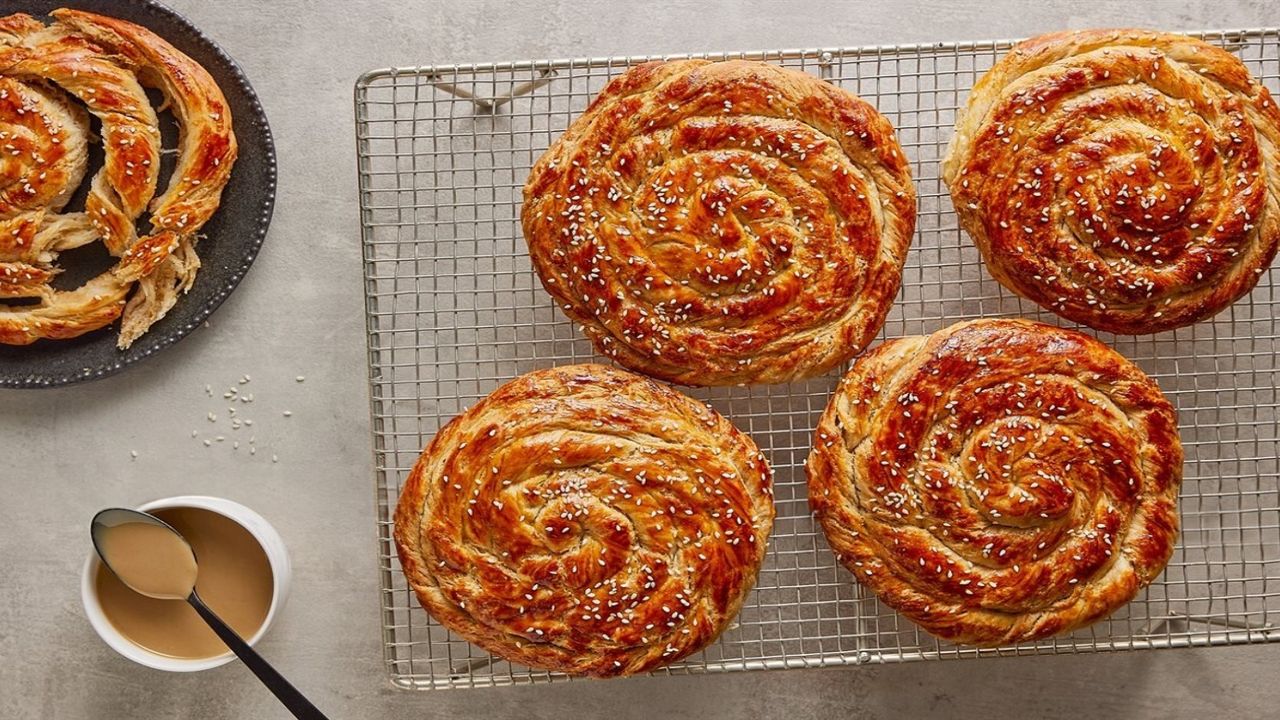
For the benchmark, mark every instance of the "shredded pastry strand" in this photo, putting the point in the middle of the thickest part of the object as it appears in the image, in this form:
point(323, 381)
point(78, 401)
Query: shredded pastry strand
point(719, 223)
point(1124, 179)
point(52, 78)
point(586, 520)
point(998, 481)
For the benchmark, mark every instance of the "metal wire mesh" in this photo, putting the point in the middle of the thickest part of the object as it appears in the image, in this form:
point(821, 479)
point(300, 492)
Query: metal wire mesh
point(454, 309)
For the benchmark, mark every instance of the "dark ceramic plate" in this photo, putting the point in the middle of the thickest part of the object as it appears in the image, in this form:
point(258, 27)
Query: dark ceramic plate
point(231, 240)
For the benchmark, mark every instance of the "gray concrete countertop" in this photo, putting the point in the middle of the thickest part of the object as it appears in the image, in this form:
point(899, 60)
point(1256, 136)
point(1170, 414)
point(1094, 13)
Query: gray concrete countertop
point(299, 312)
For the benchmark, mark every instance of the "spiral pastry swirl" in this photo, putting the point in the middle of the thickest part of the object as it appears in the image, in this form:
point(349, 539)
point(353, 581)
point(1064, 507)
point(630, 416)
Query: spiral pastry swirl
point(52, 78)
point(723, 223)
point(586, 520)
point(1124, 179)
point(998, 481)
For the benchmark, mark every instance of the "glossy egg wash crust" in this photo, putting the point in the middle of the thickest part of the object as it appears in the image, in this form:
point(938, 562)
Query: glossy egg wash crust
point(52, 78)
point(1124, 179)
point(586, 520)
point(719, 223)
point(999, 481)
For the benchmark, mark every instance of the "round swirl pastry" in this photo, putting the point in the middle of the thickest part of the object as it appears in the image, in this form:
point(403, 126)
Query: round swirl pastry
point(998, 481)
point(723, 223)
point(52, 78)
point(1123, 179)
point(586, 520)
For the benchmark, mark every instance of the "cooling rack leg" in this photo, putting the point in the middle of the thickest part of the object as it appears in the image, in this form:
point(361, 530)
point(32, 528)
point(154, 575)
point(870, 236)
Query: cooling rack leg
point(481, 103)
point(465, 668)
point(1179, 623)
point(825, 61)
point(486, 105)
point(544, 77)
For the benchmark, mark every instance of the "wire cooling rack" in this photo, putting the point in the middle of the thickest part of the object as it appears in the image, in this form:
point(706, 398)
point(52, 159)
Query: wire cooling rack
point(454, 309)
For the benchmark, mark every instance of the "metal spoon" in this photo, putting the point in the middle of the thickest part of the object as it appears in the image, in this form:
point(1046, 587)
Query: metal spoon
point(275, 682)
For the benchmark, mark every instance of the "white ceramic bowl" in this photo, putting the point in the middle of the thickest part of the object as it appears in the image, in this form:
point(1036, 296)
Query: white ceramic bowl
point(261, 530)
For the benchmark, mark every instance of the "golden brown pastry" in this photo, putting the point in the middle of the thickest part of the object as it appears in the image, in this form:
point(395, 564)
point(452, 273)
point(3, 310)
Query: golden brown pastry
point(723, 223)
point(1124, 179)
point(998, 481)
point(586, 520)
point(49, 77)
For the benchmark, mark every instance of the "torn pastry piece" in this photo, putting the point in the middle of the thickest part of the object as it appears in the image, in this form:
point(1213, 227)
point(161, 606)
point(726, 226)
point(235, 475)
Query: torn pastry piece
point(49, 77)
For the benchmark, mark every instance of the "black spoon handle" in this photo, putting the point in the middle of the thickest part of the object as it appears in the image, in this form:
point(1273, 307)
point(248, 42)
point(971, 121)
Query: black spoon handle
point(299, 705)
